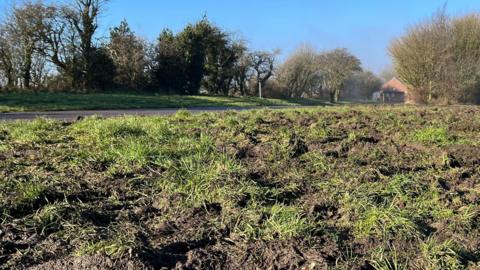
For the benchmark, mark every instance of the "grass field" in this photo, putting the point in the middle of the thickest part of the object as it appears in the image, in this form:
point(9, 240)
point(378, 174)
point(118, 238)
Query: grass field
point(43, 101)
point(329, 188)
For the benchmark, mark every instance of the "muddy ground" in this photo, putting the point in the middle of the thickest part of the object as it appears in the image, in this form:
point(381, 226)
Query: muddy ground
point(335, 188)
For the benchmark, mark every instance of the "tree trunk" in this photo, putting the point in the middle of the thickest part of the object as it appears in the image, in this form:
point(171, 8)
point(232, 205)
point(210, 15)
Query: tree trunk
point(337, 96)
point(241, 88)
point(10, 82)
point(88, 81)
point(27, 76)
point(429, 92)
point(9, 74)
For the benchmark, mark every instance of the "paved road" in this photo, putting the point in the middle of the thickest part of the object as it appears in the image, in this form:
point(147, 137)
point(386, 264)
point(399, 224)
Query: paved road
point(73, 115)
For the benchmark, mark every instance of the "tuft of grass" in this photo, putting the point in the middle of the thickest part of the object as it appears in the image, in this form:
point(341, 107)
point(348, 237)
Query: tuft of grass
point(433, 135)
point(387, 260)
point(379, 221)
point(285, 222)
point(465, 218)
point(182, 114)
point(115, 248)
point(318, 131)
point(48, 219)
point(29, 191)
point(279, 222)
point(122, 242)
point(36, 131)
point(441, 255)
point(123, 146)
point(318, 161)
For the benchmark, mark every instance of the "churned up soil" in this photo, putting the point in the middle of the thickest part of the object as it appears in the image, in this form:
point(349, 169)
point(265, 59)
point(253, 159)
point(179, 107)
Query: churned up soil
point(358, 187)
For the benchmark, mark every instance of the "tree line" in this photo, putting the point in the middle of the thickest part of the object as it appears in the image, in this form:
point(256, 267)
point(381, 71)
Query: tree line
point(439, 59)
point(55, 47)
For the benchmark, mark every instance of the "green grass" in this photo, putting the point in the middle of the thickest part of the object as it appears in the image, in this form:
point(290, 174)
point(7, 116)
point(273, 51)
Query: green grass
point(47, 219)
point(280, 222)
point(29, 191)
point(44, 101)
point(351, 187)
point(433, 135)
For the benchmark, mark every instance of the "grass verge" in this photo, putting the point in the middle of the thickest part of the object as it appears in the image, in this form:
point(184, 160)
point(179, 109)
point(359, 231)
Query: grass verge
point(44, 101)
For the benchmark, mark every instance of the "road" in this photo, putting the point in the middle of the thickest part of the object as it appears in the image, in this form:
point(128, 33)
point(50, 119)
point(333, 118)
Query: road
point(73, 115)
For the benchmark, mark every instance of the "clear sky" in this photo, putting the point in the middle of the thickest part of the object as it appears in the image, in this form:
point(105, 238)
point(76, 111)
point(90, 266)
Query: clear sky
point(365, 27)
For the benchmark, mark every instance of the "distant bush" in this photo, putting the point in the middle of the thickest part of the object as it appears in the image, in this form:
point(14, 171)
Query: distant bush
point(273, 89)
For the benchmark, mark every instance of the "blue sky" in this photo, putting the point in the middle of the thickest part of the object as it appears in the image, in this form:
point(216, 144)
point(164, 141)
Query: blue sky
point(365, 27)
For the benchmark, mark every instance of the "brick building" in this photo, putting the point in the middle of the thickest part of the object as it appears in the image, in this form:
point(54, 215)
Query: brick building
point(393, 91)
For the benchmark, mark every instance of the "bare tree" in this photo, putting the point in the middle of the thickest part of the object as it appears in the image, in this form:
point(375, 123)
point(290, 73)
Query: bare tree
point(67, 33)
point(21, 44)
point(421, 55)
point(263, 64)
point(300, 73)
point(61, 43)
point(7, 58)
point(464, 71)
point(83, 15)
point(242, 74)
point(337, 66)
point(439, 59)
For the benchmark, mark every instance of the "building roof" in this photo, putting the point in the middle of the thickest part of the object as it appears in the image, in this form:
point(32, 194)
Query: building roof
point(395, 85)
